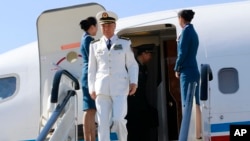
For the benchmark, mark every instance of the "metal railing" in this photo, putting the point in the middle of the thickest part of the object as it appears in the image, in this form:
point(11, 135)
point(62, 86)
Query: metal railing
point(64, 116)
point(183, 136)
point(52, 120)
point(56, 84)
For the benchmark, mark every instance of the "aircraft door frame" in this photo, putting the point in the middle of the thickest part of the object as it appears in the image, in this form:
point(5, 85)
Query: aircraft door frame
point(163, 36)
point(59, 37)
point(206, 76)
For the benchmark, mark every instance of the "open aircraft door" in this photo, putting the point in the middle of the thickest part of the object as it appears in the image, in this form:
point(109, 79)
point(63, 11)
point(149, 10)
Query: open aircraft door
point(59, 36)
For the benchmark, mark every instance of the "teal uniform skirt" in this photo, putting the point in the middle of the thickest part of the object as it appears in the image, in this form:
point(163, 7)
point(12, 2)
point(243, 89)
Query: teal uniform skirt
point(88, 102)
point(189, 75)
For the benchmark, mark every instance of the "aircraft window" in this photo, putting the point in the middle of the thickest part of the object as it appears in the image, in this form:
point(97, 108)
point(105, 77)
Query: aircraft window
point(228, 80)
point(7, 87)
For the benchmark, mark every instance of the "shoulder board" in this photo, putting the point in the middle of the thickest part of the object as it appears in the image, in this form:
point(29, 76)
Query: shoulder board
point(125, 38)
point(95, 41)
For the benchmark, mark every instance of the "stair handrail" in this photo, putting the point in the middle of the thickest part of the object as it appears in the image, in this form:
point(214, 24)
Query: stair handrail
point(54, 99)
point(56, 113)
point(56, 83)
point(185, 123)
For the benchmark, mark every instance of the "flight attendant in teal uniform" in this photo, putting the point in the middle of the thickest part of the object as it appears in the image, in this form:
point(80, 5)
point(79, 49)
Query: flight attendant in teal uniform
point(186, 67)
point(89, 26)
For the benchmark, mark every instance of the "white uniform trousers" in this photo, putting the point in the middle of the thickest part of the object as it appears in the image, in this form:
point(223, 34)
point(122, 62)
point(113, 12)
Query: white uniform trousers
point(111, 108)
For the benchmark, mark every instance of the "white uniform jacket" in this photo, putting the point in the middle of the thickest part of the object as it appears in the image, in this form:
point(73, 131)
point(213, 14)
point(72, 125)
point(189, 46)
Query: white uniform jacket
point(111, 71)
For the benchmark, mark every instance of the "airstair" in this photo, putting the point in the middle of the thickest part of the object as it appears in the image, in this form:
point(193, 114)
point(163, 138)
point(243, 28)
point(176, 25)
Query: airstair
point(62, 122)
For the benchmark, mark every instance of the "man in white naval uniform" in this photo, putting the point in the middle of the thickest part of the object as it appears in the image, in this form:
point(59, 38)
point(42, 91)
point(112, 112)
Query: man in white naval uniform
point(112, 76)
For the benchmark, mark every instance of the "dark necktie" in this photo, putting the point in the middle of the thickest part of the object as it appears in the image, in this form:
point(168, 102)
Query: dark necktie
point(109, 44)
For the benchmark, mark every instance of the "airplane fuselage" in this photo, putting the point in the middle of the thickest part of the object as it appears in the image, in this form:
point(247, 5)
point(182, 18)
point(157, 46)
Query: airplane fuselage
point(27, 72)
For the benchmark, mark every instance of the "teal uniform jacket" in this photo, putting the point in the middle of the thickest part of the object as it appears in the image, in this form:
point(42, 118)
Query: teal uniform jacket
point(186, 62)
point(86, 39)
point(88, 103)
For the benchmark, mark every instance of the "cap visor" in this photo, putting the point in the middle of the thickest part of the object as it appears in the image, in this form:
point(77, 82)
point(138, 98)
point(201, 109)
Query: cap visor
point(106, 22)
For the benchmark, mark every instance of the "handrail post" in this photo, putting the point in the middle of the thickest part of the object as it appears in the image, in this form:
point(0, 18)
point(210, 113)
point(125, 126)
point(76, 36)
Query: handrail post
point(183, 136)
point(42, 136)
point(61, 105)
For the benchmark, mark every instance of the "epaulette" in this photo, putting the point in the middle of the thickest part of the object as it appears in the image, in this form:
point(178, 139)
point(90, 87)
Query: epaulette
point(125, 38)
point(95, 41)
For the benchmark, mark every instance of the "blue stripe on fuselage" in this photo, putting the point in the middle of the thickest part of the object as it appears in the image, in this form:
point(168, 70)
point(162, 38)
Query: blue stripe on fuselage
point(225, 127)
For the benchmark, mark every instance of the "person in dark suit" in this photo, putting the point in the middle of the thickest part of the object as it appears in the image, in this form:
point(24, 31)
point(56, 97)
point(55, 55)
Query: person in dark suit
point(138, 116)
point(186, 67)
point(89, 26)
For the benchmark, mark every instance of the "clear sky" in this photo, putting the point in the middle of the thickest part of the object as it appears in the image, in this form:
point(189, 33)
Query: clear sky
point(18, 17)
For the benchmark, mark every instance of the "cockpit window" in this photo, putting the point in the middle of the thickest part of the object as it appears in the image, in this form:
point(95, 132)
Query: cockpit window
point(7, 87)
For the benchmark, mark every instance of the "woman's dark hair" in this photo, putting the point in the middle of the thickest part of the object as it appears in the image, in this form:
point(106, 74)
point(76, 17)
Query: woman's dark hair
point(186, 14)
point(86, 23)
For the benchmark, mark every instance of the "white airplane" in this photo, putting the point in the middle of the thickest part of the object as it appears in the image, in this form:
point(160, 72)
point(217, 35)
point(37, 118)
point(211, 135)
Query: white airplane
point(28, 83)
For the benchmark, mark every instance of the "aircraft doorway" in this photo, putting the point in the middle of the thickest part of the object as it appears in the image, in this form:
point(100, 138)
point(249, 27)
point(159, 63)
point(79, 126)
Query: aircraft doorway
point(163, 90)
